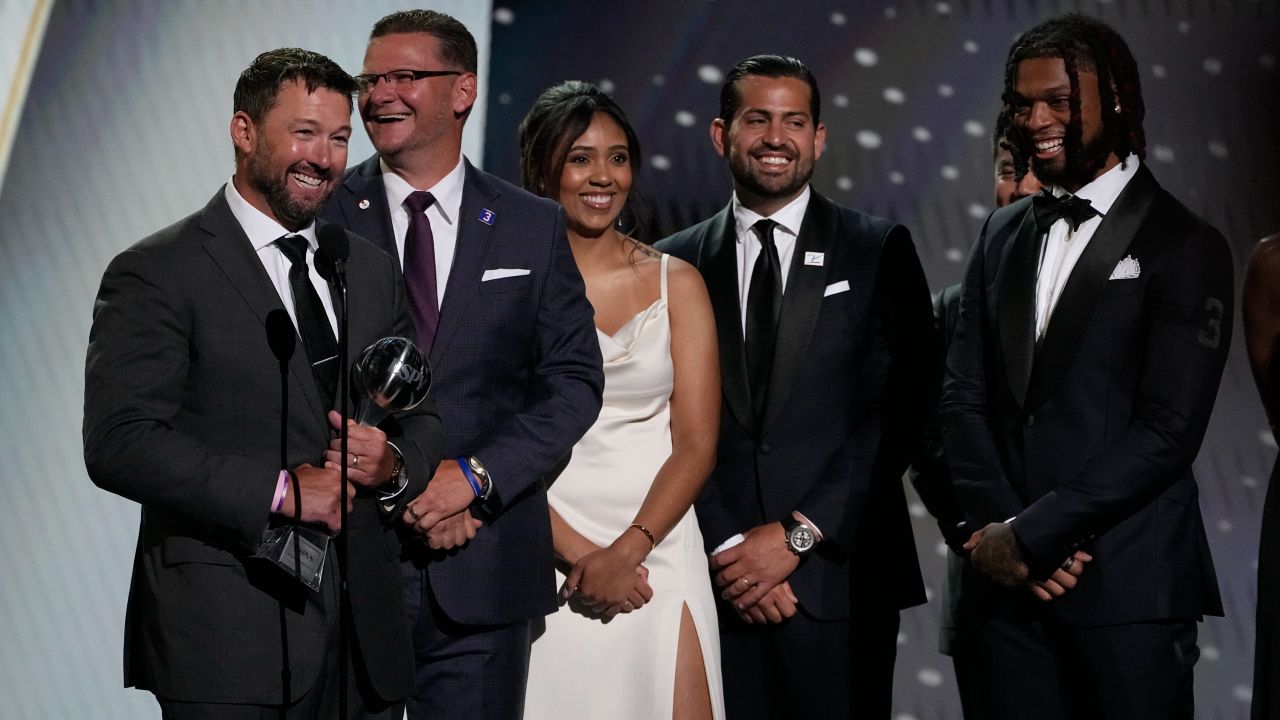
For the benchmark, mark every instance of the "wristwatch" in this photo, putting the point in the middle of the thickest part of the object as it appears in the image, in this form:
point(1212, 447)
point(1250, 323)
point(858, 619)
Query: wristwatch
point(396, 484)
point(800, 538)
point(482, 477)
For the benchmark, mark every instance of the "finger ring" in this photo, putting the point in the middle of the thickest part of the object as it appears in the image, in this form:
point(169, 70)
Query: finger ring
point(412, 513)
point(1069, 563)
point(355, 461)
point(744, 580)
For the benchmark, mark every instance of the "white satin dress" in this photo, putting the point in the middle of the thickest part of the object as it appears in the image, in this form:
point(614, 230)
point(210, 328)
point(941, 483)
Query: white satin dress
point(582, 667)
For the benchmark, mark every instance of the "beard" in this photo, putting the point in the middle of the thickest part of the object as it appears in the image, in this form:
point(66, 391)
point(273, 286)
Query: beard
point(1077, 169)
point(292, 212)
point(770, 186)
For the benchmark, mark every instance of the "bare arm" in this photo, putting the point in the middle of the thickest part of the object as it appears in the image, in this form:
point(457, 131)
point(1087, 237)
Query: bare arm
point(695, 420)
point(1261, 309)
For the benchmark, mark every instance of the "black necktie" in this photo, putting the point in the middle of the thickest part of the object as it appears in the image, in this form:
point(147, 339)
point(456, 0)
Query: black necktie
point(1049, 208)
point(420, 269)
point(313, 324)
point(764, 301)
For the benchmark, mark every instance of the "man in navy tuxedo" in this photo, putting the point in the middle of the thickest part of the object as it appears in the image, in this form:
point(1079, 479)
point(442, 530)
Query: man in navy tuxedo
point(498, 303)
point(825, 336)
point(1094, 325)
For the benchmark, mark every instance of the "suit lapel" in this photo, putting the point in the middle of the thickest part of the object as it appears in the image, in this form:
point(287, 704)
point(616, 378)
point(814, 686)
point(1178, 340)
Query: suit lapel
point(1017, 312)
point(470, 250)
point(1075, 309)
point(234, 255)
point(719, 262)
point(364, 206)
point(800, 303)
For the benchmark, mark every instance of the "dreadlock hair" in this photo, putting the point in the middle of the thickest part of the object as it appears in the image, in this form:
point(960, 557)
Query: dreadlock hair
point(1083, 43)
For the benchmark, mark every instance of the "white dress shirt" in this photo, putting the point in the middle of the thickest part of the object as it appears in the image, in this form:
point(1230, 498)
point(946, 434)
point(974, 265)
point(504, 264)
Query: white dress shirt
point(748, 244)
point(442, 214)
point(263, 233)
point(1063, 248)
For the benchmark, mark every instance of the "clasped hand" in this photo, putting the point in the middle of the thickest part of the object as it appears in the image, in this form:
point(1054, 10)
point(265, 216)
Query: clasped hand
point(750, 570)
point(441, 514)
point(610, 580)
point(994, 551)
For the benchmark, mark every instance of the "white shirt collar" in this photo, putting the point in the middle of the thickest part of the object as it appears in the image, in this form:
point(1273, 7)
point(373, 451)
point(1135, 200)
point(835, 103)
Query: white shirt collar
point(262, 229)
point(789, 216)
point(1102, 191)
point(447, 192)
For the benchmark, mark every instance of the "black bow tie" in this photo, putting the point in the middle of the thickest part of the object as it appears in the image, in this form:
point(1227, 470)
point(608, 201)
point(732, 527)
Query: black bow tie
point(1050, 208)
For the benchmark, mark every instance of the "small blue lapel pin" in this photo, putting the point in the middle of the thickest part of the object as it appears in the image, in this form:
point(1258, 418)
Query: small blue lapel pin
point(487, 216)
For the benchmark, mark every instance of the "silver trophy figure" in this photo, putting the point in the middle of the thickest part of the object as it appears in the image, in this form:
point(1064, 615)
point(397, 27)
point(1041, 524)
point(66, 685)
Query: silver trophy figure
point(390, 375)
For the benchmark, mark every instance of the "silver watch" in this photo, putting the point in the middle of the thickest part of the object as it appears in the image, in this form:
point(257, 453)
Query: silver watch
point(800, 537)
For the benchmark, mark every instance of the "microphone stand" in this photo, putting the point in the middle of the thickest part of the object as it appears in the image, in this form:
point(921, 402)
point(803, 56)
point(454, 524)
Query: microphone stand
point(344, 598)
point(281, 338)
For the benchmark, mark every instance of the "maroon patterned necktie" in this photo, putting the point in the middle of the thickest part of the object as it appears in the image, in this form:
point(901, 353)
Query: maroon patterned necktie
point(420, 269)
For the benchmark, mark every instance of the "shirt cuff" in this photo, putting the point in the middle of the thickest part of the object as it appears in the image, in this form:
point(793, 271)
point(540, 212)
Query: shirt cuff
point(817, 533)
point(736, 539)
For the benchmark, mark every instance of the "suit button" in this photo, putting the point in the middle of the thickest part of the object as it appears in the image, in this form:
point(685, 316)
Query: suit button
point(765, 449)
point(1031, 420)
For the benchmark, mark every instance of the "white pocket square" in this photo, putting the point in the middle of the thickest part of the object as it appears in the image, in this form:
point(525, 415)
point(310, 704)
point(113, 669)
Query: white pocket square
point(499, 273)
point(836, 288)
point(1127, 269)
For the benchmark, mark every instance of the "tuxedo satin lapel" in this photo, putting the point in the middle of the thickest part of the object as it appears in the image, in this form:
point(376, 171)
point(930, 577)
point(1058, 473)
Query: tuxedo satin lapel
point(373, 221)
point(234, 255)
point(1074, 311)
point(469, 254)
point(1017, 313)
point(719, 260)
point(800, 303)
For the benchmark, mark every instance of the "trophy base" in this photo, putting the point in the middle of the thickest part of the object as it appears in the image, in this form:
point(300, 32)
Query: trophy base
point(298, 550)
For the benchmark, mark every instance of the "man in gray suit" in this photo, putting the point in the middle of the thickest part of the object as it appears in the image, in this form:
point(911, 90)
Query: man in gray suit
point(182, 415)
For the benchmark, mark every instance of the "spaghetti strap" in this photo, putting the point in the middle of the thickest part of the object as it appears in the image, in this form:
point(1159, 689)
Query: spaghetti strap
point(663, 287)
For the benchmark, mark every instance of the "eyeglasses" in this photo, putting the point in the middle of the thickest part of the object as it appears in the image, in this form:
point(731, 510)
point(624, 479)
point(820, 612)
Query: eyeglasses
point(397, 79)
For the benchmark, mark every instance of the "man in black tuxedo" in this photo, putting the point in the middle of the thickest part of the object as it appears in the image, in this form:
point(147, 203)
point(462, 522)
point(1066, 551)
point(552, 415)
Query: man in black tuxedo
point(823, 321)
point(499, 303)
point(183, 415)
point(1094, 326)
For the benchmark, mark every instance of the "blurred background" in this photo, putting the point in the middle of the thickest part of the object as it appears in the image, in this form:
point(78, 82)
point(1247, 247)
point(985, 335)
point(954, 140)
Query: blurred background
point(114, 124)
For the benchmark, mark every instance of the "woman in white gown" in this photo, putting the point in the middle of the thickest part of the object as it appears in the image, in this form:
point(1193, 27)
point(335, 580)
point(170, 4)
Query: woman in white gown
point(636, 635)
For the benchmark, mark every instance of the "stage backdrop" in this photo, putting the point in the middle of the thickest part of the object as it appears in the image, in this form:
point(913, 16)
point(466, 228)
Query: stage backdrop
point(910, 90)
point(124, 131)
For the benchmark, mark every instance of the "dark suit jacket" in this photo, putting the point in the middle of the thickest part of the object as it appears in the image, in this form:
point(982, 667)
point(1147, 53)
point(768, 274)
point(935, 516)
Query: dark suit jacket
point(516, 374)
point(838, 357)
point(182, 414)
point(1089, 437)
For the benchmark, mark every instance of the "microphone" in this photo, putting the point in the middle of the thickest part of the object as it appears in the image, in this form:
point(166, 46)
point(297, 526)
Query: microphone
point(281, 336)
point(331, 257)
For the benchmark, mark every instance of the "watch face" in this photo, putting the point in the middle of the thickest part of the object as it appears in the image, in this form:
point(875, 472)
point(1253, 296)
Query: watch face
point(800, 538)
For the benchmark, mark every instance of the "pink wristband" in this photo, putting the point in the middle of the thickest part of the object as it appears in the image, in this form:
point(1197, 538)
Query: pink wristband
point(282, 488)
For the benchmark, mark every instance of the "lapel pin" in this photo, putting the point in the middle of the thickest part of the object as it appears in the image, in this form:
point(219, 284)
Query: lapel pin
point(814, 258)
point(363, 204)
point(487, 216)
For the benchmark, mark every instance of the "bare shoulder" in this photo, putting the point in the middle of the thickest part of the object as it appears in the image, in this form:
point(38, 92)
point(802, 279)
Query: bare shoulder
point(684, 280)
